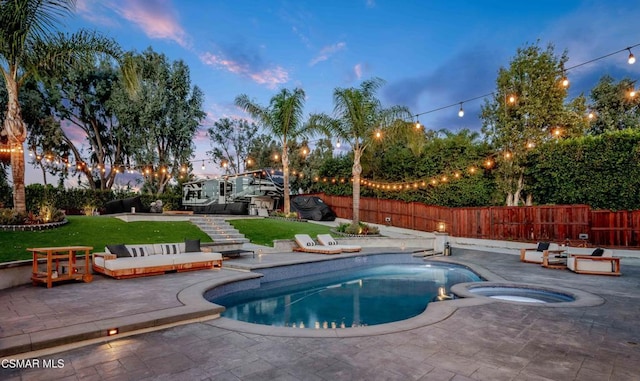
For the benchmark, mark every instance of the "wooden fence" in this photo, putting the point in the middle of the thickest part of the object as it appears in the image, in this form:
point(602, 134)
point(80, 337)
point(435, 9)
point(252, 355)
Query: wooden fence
point(556, 223)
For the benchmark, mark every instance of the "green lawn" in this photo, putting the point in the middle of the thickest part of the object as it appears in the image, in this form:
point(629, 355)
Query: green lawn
point(96, 231)
point(264, 231)
point(99, 231)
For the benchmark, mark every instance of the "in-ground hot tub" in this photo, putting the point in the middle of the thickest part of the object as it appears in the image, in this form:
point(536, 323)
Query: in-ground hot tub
point(532, 294)
point(522, 294)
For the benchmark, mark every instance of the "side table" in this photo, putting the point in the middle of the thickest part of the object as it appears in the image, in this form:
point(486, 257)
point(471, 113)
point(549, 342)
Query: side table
point(59, 259)
point(555, 259)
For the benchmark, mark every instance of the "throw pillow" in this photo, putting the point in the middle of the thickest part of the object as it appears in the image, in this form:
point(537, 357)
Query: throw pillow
point(191, 245)
point(542, 246)
point(120, 250)
point(170, 248)
point(597, 252)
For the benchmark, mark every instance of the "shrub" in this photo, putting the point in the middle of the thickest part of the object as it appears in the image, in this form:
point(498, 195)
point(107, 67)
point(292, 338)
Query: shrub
point(285, 215)
point(357, 229)
point(11, 217)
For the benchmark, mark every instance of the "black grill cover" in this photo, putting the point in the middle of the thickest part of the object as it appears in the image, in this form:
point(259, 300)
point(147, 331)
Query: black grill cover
point(312, 208)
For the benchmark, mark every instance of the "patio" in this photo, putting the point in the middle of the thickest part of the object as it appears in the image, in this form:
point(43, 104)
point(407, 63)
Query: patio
point(493, 341)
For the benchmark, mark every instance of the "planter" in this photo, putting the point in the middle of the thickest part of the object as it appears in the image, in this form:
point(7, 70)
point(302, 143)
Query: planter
point(288, 219)
point(30, 228)
point(333, 231)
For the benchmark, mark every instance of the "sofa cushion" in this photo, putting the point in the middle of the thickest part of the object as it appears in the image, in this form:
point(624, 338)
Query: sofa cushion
point(597, 252)
point(119, 250)
point(184, 258)
point(192, 245)
point(140, 262)
point(542, 246)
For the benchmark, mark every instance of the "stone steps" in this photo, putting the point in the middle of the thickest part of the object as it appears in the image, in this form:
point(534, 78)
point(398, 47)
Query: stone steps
point(218, 229)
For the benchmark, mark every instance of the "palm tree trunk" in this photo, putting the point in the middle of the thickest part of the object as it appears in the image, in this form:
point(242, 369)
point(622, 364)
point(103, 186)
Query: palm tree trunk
point(16, 132)
point(17, 171)
point(285, 182)
point(356, 171)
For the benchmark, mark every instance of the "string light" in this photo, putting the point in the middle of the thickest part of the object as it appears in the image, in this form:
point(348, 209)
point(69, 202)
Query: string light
point(565, 81)
point(203, 165)
point(511, 98)
point(461, 111)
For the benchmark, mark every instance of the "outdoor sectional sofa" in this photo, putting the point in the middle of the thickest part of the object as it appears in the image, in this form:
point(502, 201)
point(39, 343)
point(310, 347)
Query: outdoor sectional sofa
point(128, 261)
point(600, 262)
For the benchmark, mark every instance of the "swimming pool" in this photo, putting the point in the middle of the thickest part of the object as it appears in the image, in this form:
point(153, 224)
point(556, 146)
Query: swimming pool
point(357, 297)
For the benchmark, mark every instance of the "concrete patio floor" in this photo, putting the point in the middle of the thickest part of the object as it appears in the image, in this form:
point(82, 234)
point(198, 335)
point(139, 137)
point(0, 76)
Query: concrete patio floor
point(474, 341)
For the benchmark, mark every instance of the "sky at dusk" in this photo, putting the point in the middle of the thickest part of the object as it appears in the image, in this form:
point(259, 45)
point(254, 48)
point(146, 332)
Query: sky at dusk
point(430, 53)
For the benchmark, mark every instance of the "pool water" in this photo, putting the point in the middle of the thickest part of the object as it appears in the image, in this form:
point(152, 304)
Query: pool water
point(349, 298)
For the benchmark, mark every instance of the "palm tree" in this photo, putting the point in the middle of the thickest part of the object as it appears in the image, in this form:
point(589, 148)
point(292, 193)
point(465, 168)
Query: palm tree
point(30, 46)
point(358, 119)
point(283, 118)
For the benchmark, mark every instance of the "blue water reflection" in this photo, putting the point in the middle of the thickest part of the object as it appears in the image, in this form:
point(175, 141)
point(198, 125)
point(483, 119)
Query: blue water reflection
point(355, 297)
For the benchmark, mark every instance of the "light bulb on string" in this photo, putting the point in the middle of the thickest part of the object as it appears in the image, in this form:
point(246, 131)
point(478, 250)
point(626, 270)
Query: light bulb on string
point(632, 58)
point(338, 143)
point(203, 165)
point(418, 124)
point(565, 81)
point(461, 111)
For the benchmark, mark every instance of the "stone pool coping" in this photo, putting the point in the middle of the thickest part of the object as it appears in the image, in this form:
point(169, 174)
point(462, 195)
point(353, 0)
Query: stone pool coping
point(192, 305)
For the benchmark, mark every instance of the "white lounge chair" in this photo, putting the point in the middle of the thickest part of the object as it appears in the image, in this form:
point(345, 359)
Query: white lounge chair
point(327, 240)
point(308, 245)
point(537, 254)
point(601, 262)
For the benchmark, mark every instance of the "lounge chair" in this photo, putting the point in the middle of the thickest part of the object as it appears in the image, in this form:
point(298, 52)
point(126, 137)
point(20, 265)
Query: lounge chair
point(601, 262)
point(308, 245)
point(327, 240)
point(537, 254)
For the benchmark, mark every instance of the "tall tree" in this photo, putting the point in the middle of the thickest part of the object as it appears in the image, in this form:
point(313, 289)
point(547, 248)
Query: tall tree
point(230, 141)
point(358, 118)
point(614, 106)
point(283, 118)
point(84, 97)
point(528, 108)
point(28, 45)
point(167, 113)
point(261, 151)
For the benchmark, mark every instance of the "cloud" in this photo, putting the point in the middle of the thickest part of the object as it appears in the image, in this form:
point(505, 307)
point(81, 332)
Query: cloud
point(246, 65)
point(327, 52)
point(453, 81)
point(357, 70)
point(157, 18)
